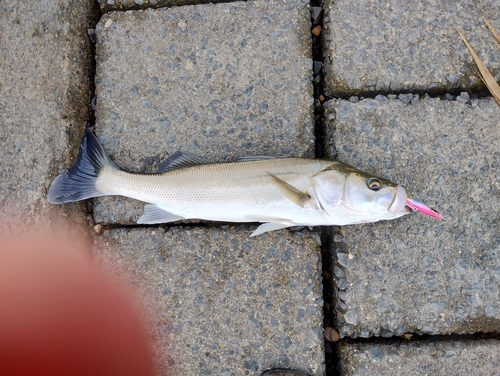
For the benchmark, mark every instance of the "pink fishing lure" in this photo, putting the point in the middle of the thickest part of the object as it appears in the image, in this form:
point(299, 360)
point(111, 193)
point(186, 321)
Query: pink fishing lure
point(422, 208)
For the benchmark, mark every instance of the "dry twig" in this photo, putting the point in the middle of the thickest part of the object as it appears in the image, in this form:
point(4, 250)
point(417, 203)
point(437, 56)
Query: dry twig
point(485, 74)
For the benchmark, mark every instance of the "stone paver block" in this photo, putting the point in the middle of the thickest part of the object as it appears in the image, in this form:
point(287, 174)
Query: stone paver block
point(442, 357)
point(382, 46)
point(220, 302)
point(417, 274)
point(220, 81)
point(45, 68)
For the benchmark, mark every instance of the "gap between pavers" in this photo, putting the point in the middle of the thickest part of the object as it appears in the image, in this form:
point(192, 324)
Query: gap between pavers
point(417, 274)
point(442, 357)
point(220, 81)
point(44, 99)
point(404, 46)
point(219, 302)
point(124, 5)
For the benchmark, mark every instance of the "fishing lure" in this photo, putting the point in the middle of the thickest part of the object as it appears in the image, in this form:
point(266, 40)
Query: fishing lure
point(422, 208)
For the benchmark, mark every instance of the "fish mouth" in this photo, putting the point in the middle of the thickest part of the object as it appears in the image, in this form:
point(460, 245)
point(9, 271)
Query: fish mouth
point(398, 203)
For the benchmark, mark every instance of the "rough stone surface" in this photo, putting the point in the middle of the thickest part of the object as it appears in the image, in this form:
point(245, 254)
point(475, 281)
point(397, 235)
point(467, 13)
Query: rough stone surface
point(220, 81)
point(381, 46)
point(417, 274)
point(455, 357)
point(220, 302)
point(45, 68)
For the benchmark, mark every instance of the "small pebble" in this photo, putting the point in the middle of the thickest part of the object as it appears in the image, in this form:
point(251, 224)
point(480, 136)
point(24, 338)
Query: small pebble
point(317, 66)
point(315, 13)
point(316, 31)
point(331, 335)
point(92, 35)
point(405, 98)
point(463, 97)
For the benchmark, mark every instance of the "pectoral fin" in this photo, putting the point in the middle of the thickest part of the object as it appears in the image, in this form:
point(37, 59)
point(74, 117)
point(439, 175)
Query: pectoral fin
point(271, 226)
point(290, 192)
point(153, 214)
point(314, 196)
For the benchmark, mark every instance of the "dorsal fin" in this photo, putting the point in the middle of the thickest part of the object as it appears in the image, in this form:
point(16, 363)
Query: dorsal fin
point(181, 160)
point(248, 158)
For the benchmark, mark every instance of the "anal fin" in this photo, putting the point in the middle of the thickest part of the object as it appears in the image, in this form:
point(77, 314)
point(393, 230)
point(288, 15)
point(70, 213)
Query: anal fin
point(153, 214)
point(271, 226)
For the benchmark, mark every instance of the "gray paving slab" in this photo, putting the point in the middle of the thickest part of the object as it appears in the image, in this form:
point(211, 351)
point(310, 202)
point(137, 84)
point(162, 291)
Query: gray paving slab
point(417, 274)
point(383, 46)
point(220, 81)
point(455, 357)
point(45, 68)
point(221, 303)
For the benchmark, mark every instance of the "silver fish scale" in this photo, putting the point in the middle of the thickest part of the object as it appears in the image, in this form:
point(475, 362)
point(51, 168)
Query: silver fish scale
point(219, 191)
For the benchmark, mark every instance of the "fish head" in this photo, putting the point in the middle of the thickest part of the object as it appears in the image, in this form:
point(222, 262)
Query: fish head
point(350, 196)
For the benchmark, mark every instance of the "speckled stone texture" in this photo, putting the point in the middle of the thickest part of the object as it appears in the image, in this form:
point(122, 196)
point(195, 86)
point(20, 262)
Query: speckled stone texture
point(222, 303)
point(382, 46)
point(220, 81)
point(442, 357)
point(45, 68)
point(417, 274)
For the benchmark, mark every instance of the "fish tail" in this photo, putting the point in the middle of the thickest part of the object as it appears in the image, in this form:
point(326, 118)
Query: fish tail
point(79, 182)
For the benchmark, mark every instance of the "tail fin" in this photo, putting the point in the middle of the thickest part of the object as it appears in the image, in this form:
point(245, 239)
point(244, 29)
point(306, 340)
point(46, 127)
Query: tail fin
point(78, 183)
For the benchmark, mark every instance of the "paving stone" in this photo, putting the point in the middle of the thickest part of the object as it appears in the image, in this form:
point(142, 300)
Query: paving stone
point(220, 81)
point(381, 46)
point(455, 357)
point(45, 69)
point(220, 302)
point(417, 274)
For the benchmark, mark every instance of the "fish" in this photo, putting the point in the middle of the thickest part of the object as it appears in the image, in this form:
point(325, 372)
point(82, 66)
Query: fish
point(277, 192)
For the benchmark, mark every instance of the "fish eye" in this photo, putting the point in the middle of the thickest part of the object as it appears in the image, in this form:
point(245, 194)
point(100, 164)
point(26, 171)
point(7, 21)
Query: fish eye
point(374, 184)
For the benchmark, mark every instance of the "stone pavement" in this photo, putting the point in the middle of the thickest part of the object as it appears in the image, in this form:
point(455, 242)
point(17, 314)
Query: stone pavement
point(381, 46)
point(242, 89)
point(431, 357)
point(418, 275)
point(45, 66)
point(232, 79)
point(222, 303)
